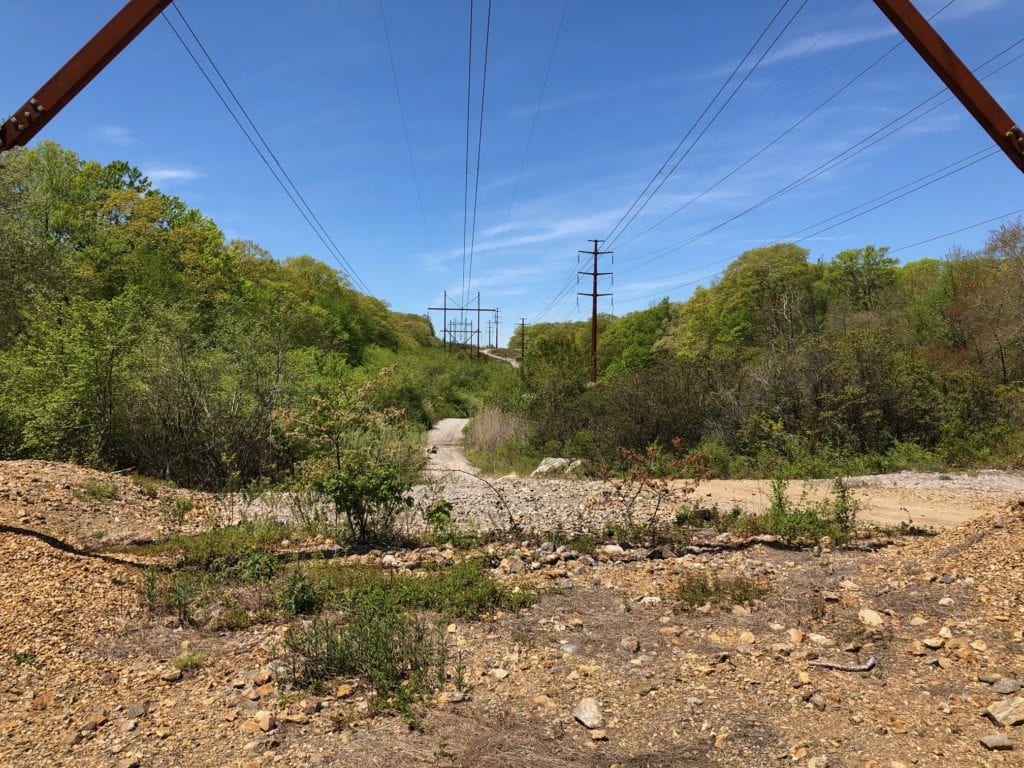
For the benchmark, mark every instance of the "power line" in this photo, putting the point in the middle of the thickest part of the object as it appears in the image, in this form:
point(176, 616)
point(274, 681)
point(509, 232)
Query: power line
point(836, 160)
point(533, 126)
point(974, 160)
point(932, 239)
point(614, 230)
point(304, 209)
point(774, 141)
point(964, 163)
point(977, 224)
point(405, 127)
point(711, 122)
point(465, 185)
point(479, 146)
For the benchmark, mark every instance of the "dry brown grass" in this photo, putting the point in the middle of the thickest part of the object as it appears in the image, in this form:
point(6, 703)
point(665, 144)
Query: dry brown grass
point(492, 427)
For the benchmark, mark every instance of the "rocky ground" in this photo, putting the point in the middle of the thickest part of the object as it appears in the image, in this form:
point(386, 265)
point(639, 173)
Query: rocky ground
point(605, 669)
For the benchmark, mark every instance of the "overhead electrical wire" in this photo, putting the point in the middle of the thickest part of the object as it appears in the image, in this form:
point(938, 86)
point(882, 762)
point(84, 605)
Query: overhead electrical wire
point(932, 239)
point(280, 175)
point(807, 116)
point(653, 182)
point(533, 126)
point(834, 161)
point(893, 195)
point(465, 184)
point(812, 45)
point(405, 128)
point(611, 239)
point(479, 151)
point(646, 192)
point(975, 225)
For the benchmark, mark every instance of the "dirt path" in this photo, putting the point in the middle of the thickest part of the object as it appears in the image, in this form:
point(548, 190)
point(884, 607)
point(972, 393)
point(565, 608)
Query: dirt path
point(510, 360)
point(444, 446)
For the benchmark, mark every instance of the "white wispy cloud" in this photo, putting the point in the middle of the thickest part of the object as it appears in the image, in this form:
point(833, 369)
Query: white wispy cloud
point(829, 41)
point(159, 174)
point(115, 134)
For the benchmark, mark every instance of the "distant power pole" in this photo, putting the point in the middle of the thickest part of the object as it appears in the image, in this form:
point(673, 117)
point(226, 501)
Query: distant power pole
point(460, 330)
point(522, 340)
point(593, 312)
point(1007, 135)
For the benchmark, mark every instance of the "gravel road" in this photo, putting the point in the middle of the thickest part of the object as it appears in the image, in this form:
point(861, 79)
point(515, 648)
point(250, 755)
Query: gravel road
point(926, 499)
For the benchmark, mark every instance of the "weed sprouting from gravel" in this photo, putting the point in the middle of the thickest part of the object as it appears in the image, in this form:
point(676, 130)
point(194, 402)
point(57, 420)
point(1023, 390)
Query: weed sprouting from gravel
point(701, 589)
point(402, 657)
point(189, 661)
point(96, 490)
point(299, 596)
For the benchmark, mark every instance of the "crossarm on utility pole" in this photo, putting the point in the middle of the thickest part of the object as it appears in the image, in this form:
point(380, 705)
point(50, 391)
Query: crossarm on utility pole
point(957, 77)
point(35, 113)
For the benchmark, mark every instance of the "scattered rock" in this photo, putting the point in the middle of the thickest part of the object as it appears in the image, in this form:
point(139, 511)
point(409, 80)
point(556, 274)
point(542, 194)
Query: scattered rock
point(997, 742)
point(1006, 686)
point(1008, 712)
point(551, 466)
point(588, 713)
point(630, 644)
point(870, 618)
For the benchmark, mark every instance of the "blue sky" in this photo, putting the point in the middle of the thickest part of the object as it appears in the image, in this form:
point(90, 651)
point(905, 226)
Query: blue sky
point(627, 80)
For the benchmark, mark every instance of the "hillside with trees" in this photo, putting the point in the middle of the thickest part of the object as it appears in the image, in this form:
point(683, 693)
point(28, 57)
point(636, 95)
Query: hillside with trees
point(797, 367)
point(134, 336)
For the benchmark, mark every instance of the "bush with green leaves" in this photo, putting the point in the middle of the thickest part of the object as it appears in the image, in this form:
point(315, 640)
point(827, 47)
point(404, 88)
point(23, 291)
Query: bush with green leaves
point(834, 517)
point(402, 658)
point(362, 454)
point(697, 589)
point(299, 595)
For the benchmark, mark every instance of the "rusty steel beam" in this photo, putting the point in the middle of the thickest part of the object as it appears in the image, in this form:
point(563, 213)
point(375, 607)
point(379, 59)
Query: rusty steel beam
point(957, 77)
point(35, 113)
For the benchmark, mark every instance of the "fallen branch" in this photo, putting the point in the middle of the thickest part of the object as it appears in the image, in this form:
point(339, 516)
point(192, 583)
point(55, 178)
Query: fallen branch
point(867, 666)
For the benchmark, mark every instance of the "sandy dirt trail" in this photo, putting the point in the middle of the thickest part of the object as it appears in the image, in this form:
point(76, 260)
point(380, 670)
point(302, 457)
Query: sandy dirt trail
point(444, 447)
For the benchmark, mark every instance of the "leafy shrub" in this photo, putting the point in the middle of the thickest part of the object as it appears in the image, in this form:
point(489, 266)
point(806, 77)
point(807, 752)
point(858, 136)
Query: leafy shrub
point(189, 661)
point(149, 588)
point(182, 594)
point(402, 658)
point(299, 596)
point(255, 566)
point(221, 548)
point(370, 489)
point(834, 517)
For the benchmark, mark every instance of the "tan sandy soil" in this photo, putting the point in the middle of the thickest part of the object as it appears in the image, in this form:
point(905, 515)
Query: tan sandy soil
point(929, 500)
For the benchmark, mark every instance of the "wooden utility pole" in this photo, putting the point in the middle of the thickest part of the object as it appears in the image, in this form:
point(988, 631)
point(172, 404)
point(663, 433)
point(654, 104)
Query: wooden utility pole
point(70, 79)
point(522, 340)
point(958, 78)
point(593, 294)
